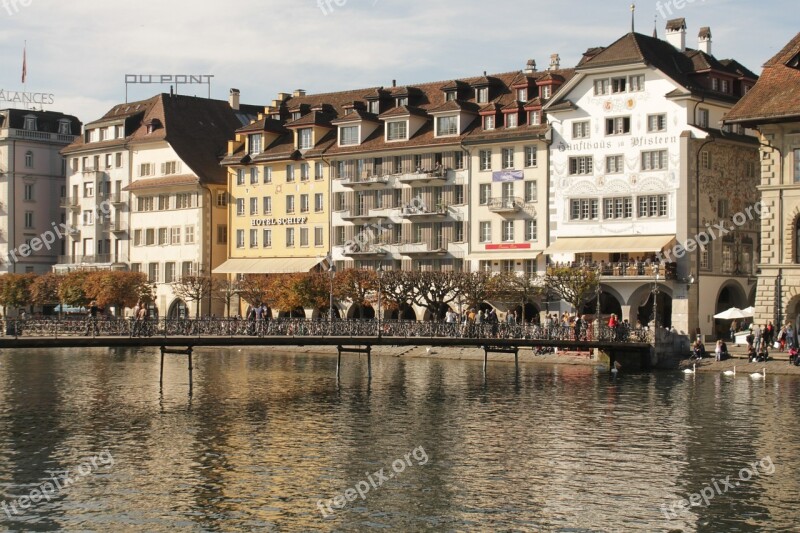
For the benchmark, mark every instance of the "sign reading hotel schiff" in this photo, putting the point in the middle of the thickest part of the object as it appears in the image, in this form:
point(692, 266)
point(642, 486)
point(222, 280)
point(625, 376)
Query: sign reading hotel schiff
point(286, 221)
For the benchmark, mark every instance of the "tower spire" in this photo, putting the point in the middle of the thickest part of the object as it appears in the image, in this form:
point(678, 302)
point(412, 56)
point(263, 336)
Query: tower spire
point(655, 26)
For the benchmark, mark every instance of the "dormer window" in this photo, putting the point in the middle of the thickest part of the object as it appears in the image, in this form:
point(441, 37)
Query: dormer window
point(153, 125)
point(348, 135)
point(446, 126)
point(522, 95)
point(547, 91)
point(375, 107)
point(618, 85)
point(715, 84)
point(489, 122)
point(254, 142)
point(401, 101)
point(535, 118)
point(725, 86)
point(30, 122)
point(119, 132)
point(64, 126)
point(397, 131)
point(482, 95)
point(304, 139)
point(296, 115)
point(450, 96)
point(512, 120)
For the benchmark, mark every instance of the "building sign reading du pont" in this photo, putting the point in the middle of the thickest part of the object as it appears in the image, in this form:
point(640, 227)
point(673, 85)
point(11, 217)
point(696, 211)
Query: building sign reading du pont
point(286, 221)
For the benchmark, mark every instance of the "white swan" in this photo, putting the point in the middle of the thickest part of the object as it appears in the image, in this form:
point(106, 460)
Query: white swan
point(730, 372)
point(758, 375)
point(692, 371)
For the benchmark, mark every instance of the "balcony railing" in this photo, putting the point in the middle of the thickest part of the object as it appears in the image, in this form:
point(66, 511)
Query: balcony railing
point(84, 259)
point(366, 250)
point(414, 212)
point(636, 269)
point(362, 214)
point(117, 227)
point(424, 248)
point(37, 136)
point(366, 181)
point(70, 202)
point(505, 204)
point(425, 177)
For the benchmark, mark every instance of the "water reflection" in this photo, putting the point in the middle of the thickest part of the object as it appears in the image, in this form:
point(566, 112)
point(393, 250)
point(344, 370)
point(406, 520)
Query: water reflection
point(265, 435)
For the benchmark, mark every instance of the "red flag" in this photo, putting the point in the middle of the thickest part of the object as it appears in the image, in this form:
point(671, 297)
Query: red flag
point(24, 64)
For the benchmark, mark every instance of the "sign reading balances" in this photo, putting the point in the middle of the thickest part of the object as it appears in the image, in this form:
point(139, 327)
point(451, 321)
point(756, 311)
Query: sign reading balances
point(508, 175)
point(26, 98)
point(286, 221)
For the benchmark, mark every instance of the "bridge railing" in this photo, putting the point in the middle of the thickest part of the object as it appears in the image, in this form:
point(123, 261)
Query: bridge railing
point(292, 327)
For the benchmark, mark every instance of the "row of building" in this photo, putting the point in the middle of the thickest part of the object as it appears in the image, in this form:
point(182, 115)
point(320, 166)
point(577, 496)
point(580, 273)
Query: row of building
point(611, 163)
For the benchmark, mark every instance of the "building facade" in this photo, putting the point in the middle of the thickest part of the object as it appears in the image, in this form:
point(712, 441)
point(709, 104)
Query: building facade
point(773, 108)
point(32, 187)
point(639, 169)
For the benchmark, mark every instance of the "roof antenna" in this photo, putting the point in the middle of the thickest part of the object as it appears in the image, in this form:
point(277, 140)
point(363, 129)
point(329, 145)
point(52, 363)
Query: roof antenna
point(633, 12)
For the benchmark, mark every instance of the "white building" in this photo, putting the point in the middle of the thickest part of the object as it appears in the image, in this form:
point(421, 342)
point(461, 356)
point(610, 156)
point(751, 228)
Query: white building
point(629, 132)
point(32, 180)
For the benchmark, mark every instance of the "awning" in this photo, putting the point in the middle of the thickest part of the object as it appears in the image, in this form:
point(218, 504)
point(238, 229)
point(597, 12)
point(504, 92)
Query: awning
point(277, 265)
point(610, 244)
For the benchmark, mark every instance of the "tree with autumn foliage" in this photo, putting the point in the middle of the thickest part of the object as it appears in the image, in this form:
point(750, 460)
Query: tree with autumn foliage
point(397, 290)
point(71, 289)
point(117, 288)
point(193, 289)
point(254, 289)
point(435, 290)
point(15, 290)
point(358, 286)
point(225, 290)
point(44, 289)
point(298, 290)
point(574, 285)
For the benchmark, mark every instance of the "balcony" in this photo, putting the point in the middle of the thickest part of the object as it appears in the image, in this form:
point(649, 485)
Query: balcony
point(118, 198)
point(424, 177)
point(84, 259)
point(424, 249)
point(70, 202)
point(365, 182)
point(363, 251)
point(630, 270)
point(56, 138)
point(118, 227)
point(413, 212)
point(361, 215)
point(505, 205)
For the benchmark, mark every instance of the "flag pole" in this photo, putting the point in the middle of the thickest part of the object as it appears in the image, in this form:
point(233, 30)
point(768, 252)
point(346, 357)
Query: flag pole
point(24, 66)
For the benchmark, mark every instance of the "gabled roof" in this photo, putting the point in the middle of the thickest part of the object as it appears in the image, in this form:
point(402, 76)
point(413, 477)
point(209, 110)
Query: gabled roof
point(455, 105)
point(356, 115)
point(776, 95)
point(403, 111)
point(314, 118)
point(265, 124)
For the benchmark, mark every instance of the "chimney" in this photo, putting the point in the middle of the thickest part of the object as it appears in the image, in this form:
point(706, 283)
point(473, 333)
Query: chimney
point(704, 40)
point(299, 93)
point(676, 33)
point(530, 68)
point(394, 83)
point(555, 62)
point(282, 97)
point(233, 99)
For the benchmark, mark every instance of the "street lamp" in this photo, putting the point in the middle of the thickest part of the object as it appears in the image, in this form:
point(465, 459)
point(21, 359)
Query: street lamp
point(380, 278)
point(331, 275)
point(655, 311)
point(598, 292)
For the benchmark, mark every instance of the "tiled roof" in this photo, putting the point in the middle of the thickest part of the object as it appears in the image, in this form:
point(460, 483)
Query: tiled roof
point(166, 181)
point(314, 118)
point(265, 124)
point(354, 116)
point(455, 105)
point(402, 111)
point(776, 95)
point(46, 121)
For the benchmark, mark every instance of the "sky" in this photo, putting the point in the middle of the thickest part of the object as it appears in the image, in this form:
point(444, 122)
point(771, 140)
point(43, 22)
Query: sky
point(81, 50)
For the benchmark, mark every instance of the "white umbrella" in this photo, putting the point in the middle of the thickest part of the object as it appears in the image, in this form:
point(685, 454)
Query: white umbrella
point(731, 314)
point(749, 311)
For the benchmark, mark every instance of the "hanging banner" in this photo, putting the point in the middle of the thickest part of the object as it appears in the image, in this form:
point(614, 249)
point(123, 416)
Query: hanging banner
point(507, 175)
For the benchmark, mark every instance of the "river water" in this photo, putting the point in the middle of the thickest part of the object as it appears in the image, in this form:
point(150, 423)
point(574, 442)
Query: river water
point(270, 442)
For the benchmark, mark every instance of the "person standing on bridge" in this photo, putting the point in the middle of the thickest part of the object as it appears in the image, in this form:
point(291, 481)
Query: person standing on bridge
point(91, 325)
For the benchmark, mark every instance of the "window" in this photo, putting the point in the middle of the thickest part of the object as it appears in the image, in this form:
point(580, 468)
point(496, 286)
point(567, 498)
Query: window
point(175, 235)
point(656, 160)
point(240, 238)
point(508, 231)
point(705, 159)
point(485, 157)
point(254, 238)
point(401, 101)
point(290, 204)
point(580, 130)
point(253, 206)
point(28, 219)
point(118, 159)
point(750, 169)
point(136, 267)
point(636, 83)
point(255, 143)
point(304, 206)
point(522, 95)
point(725, 86)
point(305, 172)
point(222, 199)
point(304, 237)
point(266, 237)
point(304, 138)
point(163, 236)
point(319, 206)
point(617, 208)
point(30, 122)
point(289, 173)
point(149, 237)
point(485, 192)
point(146, 169)
point(535, 118)
point(618, 125)
point(397, 131)
point(375, 107)
point(88, 190)
point(797, 165)
point(583, 209)
point(119, 131)
point(289, 236)
point(163, 202)
point(530, 156)
point(508, 190)
point(458, 232)
point(652, 206)
point(137, 237)
point(508, 158)
point(547, 91)
point(379, 200)
point(702, 118)
point(705, 258)
point(318, 237)
point(144, 203)
point(170, 167)
point(580, 165)
point(512, 120)
point(28, 159)
point(656, 123)
point(723, 208)
point(152, 271)
point(318, 171)
point(485, 232)
point(446, 126)
point(348, 135)
point(184, 200)
point(489, 122)
point(240, 176)
point(618, 85)
point(482, 95)
point(240, 207)
point(189, 235)
point(222, 234)
point(458, 195)
point(267, 174)
point(614, 164)
point(169, 272)
point(29, 191)
point(254, 176)
point(485, 266)
point(64, 127)
point(530, 191)
point(601, 87)
point(88, 218)
point(530, 230)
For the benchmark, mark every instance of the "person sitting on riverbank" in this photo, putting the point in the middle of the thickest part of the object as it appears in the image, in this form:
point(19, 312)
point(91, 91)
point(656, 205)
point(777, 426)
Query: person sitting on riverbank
point(793, 359)
point(698, 350)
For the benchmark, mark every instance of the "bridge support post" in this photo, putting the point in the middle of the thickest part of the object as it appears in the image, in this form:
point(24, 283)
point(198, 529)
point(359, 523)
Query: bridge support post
point(177, 351)
point(494, 349)
point(343, 349)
